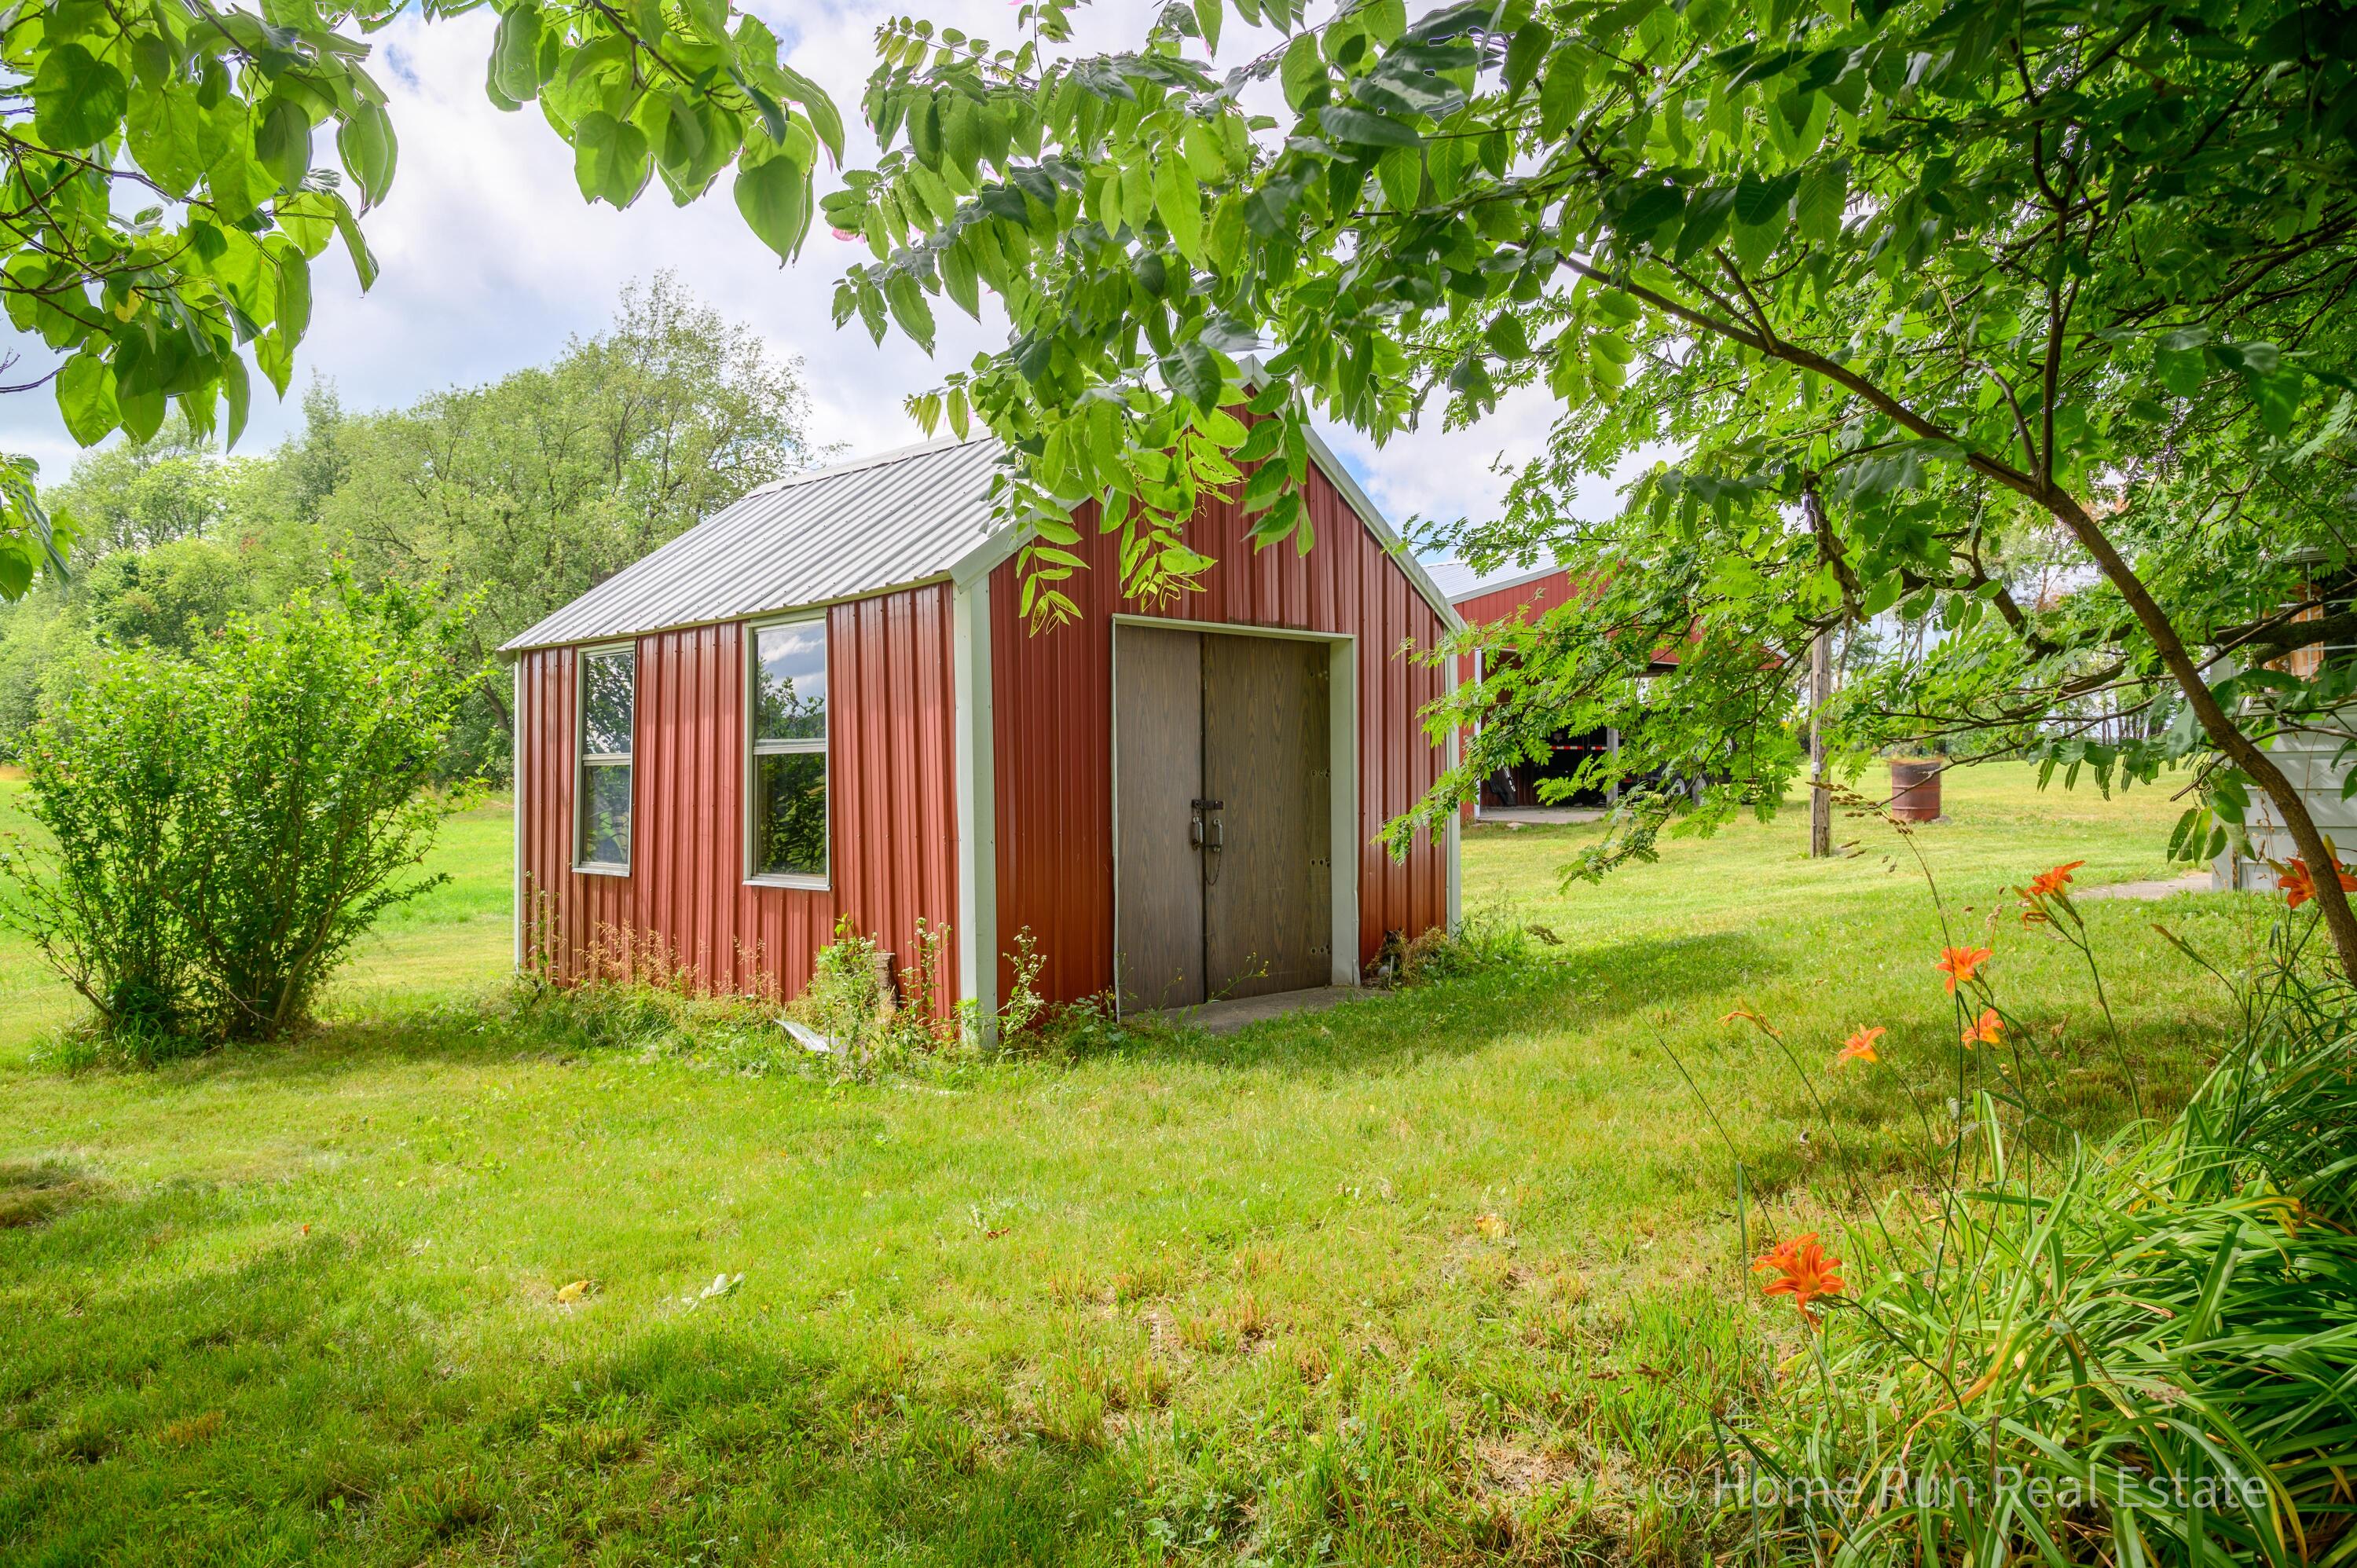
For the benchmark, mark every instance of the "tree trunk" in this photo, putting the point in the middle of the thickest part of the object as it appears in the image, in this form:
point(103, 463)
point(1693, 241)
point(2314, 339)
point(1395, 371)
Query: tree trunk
point(1821, 800)
point(2220, 725)
point(2064, 508)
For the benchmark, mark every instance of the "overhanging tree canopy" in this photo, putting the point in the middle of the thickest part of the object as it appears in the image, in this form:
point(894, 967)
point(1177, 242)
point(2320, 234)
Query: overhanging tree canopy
point(1928, 262)
point(165, 183)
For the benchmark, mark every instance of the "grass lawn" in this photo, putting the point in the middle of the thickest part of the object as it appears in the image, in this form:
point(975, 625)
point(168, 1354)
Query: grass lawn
point(1442, 1276)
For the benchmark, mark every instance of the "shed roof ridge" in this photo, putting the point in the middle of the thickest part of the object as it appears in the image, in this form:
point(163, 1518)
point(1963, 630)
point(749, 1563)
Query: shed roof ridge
point(859, 465)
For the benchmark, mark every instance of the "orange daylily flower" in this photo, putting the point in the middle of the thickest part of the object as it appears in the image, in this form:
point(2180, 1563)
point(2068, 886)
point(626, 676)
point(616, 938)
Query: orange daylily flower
point(1960, 963)
point(1804, 1272)
point(1859, 1046)
point(1988, 1031)
point(2047, 884)
point(2299, 886)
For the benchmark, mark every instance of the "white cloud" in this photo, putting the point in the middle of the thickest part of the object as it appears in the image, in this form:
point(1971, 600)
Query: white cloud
point(490, 260)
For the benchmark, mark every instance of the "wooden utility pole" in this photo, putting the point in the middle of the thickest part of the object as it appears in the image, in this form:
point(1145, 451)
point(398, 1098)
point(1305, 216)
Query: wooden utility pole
point(1821, 801)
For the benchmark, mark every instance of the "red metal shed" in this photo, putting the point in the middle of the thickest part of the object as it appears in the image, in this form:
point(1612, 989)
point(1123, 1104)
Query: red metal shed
point(823, 704)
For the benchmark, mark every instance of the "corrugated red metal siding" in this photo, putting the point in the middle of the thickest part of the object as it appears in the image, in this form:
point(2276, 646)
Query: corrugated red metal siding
point(1052, 700)
point(892, 780)
point(1536, 597)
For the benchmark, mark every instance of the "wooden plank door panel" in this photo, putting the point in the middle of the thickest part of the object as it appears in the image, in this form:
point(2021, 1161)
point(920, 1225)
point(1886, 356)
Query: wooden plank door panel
point(1268, 894)
point(1157, 772)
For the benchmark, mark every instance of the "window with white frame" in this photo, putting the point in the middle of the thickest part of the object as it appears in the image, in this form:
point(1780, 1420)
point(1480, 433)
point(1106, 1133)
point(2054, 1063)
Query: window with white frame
point(602, 808)
point(787, 819)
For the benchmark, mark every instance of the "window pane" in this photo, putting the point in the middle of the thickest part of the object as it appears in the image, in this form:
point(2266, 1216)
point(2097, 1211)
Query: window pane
point(789, 700)
point(605, 814)
point(790, 813)
point(605, 701)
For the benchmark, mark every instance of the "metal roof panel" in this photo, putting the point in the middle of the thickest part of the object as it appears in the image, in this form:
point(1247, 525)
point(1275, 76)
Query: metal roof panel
point(867, 527)
point(861, 528)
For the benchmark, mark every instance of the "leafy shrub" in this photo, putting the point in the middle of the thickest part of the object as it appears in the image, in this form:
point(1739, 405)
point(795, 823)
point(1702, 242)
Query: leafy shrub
point(224, 826)
point(2143, 1351)
point(109, 777)
point(1485, 938)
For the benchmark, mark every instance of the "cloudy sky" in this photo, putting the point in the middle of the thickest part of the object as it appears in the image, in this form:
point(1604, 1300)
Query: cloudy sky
point(491, 259)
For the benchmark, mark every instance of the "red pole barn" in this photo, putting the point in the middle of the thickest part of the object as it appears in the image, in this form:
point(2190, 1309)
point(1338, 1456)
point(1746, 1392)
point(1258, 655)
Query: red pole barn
point(823, 703)
point(1507, 598)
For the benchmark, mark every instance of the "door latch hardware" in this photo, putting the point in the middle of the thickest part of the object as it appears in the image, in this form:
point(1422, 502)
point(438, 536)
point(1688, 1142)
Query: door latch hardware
point(1206, 832)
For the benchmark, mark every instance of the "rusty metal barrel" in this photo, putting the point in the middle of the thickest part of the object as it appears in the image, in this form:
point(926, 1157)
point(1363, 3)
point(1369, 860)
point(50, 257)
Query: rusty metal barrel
point(1915, 789)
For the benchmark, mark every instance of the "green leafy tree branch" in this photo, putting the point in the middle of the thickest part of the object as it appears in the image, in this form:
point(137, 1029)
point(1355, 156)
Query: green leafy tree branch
point(1934, 264)
point(166, 183)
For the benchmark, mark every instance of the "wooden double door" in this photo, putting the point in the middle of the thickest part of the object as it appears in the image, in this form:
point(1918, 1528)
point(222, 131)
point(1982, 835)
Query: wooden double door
point(1223, 803)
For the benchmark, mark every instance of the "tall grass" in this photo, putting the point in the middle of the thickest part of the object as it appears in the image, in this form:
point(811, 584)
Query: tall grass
point(2063, 1352)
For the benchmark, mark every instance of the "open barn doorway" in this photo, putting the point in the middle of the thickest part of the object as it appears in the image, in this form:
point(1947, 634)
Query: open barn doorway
point(1227, 813)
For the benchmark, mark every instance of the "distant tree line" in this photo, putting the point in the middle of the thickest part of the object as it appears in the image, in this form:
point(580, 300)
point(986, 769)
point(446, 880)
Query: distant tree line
point(520, 495)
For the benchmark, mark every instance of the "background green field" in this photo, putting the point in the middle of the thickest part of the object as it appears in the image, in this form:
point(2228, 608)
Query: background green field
point(1442, 1275)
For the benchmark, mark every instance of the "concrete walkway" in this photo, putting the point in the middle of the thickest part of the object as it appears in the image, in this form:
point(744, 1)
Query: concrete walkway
point(1227, 1017)
point(1539, 816)
point(2192, 882)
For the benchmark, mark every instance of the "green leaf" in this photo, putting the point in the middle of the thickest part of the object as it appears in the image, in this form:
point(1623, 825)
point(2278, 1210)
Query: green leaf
point(1823, 193)
point(1179, 203)
point(86, 398)
point(1303, 71)
point(308, 220)
point(142, 411)
point(1193, 372)
point(2182, 371)
point(1526, 52)
point(367, 147)
point(1649, 210)
point(77, 98)
point(774, 197)
point(1762, 217)
point(821, 109)
point(1261, 441)
point(161, 134)
point(276, 356)
point(611, 161)
point(1357, 125)
point(1201, 144)
point(282, 141)
point(1507, 336)
point(910, 309)
point(236, 184)
point(515, 54)
point(1207, 16)
point(1136, 195)
point(1763, 202)
point(960, 279)
point(239, 393)
point(1707, 212)
point(2277, 397)
point(1563, 92)
point(1400, 171)
point(1268, 482)
point(925, 130)
point(291, 276)
point(363, 259)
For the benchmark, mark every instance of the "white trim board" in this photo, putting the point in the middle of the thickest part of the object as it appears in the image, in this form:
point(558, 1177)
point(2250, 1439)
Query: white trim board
point(977, 799)
point(516, 818)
